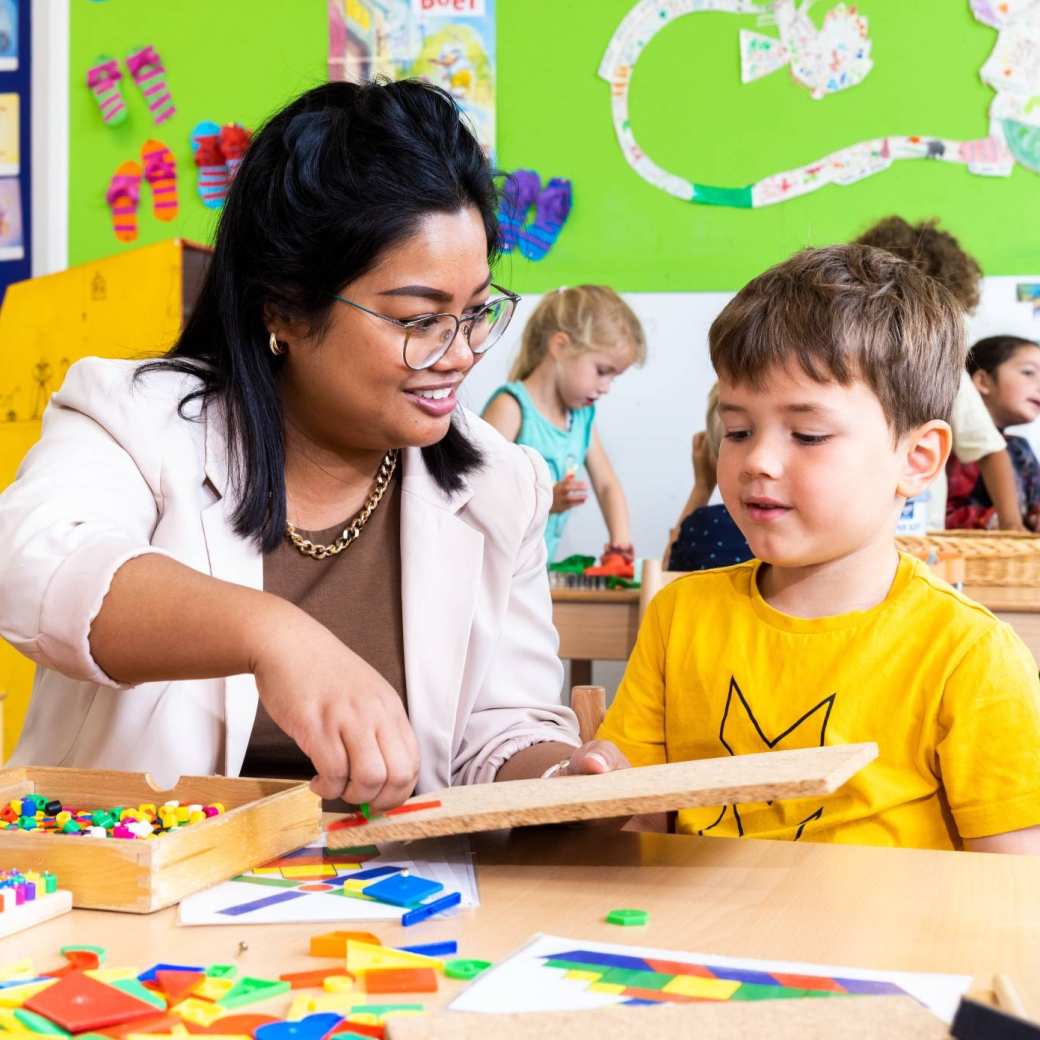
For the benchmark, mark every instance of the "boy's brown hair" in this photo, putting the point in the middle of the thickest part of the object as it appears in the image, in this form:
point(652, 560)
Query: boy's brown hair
point(843, 313)
point(932, 250)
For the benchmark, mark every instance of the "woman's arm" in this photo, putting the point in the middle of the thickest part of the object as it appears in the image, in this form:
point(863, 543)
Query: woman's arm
point(999, 477)
point(161, 620)
point(609, 493)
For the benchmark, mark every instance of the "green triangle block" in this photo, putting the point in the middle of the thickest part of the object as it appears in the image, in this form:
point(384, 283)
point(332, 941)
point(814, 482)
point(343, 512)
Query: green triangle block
point(37, 1023)
point(221, 971)
point(248, 990)
point(382, 1009)
point(141, 992)
point(76, 947)
point(271, 882)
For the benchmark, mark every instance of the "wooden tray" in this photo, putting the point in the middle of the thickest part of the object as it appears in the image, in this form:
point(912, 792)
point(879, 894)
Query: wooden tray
point(849, 1018)
point(651, 789)
point(264, 819)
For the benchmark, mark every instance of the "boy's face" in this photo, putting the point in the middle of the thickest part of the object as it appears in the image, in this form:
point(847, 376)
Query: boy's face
point(810, 471)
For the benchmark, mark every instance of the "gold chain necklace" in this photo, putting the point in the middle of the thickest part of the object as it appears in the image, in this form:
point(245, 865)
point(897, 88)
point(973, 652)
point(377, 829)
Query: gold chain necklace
point(350, 533)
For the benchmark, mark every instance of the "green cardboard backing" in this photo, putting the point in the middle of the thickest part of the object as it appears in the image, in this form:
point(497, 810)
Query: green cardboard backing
point(238, 60)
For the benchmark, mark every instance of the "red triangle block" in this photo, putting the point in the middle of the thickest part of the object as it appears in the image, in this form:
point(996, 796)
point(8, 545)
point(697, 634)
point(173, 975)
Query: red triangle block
point(176, 985)
point(79, 1004)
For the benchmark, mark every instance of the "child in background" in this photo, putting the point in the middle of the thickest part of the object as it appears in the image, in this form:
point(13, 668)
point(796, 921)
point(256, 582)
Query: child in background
point(975, 438)
point(705, 535)
point(1006, 372)
point(837, 376)
point(575, 344)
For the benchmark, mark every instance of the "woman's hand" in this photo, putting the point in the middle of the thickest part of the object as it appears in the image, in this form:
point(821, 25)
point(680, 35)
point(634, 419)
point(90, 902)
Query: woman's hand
point(341, 712)
point(567, 494)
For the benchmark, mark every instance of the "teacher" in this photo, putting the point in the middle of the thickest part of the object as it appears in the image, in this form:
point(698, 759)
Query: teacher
point(283, 548)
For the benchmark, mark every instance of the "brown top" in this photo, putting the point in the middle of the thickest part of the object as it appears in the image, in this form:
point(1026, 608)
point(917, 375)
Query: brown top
point(356, 596)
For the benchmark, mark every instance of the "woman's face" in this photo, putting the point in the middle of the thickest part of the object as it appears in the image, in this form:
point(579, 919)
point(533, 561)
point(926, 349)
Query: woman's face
point(352, 389)
point(1012, 393)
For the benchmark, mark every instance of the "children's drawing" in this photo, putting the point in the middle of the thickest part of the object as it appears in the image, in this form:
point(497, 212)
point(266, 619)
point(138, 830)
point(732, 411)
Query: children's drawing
point(554, 974)
point(825, 61)
point(451, 47)
point(1029, 292)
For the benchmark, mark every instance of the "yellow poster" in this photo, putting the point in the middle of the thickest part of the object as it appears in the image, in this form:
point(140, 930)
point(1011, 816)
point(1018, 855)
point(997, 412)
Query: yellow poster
point(9, 163)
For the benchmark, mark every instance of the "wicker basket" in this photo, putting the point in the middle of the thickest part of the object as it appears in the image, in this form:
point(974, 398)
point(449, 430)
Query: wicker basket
point(991, 558)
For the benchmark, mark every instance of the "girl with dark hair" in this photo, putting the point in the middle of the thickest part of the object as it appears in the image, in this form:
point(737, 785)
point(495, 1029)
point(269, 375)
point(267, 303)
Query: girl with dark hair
point(1006, 372)
point(285, 535)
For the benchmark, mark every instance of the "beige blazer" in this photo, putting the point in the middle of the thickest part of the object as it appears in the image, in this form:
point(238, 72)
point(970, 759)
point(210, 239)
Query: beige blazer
point(118, 473)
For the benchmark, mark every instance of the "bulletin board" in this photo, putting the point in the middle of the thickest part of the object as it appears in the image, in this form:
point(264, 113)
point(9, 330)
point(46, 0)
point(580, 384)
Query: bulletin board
point(240, 60)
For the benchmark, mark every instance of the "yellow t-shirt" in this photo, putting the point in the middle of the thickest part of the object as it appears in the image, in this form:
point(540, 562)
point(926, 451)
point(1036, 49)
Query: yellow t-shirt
point(949, 693)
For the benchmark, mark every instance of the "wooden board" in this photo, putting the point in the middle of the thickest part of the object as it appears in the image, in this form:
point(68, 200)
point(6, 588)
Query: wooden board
point(844, 1018)
point(43, 908)
point(264, 819)
point(679, 785)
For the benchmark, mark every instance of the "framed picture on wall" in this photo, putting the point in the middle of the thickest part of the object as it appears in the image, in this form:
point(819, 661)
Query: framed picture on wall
point(8, 35)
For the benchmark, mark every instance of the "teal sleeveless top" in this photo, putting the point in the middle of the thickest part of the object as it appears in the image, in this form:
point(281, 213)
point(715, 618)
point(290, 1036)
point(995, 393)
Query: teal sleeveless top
point(561, 449)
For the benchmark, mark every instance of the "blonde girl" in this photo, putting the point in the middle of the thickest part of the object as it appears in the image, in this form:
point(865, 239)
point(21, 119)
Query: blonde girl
point(575, 344)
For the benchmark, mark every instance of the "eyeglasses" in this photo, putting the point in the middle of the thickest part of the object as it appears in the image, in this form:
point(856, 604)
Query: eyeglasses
point(429, 337)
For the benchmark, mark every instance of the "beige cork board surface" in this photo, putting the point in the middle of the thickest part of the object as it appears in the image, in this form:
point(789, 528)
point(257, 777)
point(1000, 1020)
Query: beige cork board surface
point(766, 777)
point(845, 1018)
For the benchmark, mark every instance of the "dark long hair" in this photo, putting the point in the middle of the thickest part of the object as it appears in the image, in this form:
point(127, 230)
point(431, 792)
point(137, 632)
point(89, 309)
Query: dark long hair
point(333, 180)
point(990, 353)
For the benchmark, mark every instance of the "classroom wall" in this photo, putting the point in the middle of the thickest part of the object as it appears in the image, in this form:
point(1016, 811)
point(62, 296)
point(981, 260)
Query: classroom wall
point(240, 60)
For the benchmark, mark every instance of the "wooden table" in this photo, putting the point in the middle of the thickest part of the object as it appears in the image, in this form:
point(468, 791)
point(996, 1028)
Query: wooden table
point(595, 625)
point(967, 913)
point(602, 626)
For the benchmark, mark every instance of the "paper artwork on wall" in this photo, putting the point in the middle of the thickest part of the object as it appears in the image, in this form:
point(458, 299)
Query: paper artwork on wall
point(450, 43)
point(8, 35)
point(10, 162)
point(1029, 292)
point(12, 244)
point(827, 60)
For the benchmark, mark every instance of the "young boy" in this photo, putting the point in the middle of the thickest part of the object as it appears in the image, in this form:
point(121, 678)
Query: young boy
point(837, 374)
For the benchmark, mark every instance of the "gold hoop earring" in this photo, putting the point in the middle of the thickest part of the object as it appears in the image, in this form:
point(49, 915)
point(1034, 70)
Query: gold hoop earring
point(276, 348)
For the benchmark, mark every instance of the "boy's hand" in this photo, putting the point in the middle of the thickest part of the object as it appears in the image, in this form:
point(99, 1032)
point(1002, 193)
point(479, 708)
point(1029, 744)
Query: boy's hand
point(567, 494)
point(703, 461)
point(595, 756)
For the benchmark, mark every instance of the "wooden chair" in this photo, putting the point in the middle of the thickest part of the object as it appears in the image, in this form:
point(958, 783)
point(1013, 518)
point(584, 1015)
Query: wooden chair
point(589, 703)
point(654, 578)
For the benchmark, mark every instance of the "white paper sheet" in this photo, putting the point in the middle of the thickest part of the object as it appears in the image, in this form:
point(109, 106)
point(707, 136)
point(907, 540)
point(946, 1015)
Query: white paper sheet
point(525, 983)
point(447, 860)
